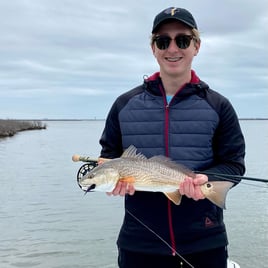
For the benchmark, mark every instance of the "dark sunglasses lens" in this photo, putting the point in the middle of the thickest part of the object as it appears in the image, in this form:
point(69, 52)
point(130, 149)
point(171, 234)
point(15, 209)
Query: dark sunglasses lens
point(162, 42)
point(183, 41)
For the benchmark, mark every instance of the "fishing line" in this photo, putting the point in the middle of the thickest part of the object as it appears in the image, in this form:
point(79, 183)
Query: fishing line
point(158, 236)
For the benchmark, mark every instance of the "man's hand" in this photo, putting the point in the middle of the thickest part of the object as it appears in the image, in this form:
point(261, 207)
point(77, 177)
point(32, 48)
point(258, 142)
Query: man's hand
point(123, 188)
point(191, 186)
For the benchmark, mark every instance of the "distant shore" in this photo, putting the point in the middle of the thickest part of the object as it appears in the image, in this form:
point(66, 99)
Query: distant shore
point(103, 119)
point(9, 128)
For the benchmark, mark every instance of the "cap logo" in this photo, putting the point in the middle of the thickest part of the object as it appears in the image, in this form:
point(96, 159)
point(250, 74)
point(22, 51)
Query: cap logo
point(172, 11)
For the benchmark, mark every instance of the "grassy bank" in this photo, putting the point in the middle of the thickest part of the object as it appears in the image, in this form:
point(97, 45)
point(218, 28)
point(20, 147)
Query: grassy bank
point(9, 128)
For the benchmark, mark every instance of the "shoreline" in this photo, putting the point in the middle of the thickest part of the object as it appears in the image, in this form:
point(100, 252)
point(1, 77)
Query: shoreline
point(10, 127)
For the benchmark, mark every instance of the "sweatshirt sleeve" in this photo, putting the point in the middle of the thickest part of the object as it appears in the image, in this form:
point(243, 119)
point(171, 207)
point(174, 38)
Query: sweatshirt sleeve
point(228, 141)
point(111, 140)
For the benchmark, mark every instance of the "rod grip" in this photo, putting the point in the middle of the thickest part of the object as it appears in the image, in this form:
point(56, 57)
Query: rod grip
point(77, 158)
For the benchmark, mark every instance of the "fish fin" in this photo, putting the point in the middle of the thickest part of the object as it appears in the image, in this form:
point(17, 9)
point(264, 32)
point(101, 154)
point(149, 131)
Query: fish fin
point(131, 152)
point(219, 193)
point(127, 179)
point(175, 197)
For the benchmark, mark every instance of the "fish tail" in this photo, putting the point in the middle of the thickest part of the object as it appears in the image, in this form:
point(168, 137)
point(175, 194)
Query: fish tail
point(218, 195)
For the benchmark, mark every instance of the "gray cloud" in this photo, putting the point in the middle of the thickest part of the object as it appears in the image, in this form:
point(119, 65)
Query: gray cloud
point(76, 57)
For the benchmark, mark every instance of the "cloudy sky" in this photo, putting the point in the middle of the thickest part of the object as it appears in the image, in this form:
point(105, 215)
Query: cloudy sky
point(72, 58)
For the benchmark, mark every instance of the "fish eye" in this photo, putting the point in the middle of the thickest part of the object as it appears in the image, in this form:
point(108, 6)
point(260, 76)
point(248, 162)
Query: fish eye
point(209, 185)
point(91, 175)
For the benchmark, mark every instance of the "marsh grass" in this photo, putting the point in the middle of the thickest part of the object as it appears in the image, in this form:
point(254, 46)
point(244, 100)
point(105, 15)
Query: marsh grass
point(9, 127)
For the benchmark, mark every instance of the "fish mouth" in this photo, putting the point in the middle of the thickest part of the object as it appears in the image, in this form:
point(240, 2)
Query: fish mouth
point(88, 189)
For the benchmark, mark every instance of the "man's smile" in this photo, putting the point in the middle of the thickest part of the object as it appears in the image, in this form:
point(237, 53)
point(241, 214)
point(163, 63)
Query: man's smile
point(173, 59)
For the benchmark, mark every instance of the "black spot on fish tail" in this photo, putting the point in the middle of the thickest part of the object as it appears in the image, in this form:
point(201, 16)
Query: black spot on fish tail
point(220, 190)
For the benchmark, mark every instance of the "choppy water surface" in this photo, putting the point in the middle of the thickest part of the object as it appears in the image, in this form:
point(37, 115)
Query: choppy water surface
point(46, 221)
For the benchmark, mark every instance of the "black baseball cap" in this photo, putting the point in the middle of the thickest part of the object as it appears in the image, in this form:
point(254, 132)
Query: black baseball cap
point(174, 13)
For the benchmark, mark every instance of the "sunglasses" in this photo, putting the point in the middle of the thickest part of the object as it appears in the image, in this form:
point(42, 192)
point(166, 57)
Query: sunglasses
point(182, 41)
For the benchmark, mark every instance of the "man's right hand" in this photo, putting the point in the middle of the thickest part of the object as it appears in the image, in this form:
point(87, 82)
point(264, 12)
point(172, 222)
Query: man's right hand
point(123, 188)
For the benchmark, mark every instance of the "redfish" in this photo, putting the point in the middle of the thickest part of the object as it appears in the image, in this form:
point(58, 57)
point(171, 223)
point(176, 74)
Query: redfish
point(155, 174)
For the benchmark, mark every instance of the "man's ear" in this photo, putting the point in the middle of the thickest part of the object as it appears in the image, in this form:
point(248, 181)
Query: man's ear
point(153, 48)
point(197, 47)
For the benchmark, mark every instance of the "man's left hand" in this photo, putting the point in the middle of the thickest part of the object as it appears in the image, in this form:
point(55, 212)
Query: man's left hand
point(191, 186)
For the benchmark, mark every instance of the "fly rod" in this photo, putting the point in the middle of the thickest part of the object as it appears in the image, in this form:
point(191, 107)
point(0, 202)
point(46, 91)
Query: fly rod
point(221, 175)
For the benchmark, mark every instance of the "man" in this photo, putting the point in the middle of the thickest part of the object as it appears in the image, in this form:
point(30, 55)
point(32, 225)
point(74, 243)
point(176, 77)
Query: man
point(175, 114)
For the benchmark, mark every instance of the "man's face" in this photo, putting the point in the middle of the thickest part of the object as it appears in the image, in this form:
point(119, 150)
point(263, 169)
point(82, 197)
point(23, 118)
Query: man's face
point(175, 61)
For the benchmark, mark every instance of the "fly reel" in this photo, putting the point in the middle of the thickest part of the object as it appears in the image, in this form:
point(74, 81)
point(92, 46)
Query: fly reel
point(86, 168)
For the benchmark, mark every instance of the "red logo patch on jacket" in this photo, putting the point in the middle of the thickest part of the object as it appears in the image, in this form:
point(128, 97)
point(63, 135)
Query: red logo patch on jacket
point(208, 222)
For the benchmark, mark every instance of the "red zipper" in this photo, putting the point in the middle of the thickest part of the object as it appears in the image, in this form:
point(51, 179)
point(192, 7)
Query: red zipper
point(171, 229)
point(194, 80)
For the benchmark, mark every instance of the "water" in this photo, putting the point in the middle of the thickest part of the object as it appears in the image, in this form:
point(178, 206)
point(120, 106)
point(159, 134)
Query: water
point(46, 221)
